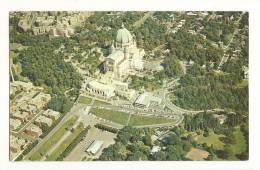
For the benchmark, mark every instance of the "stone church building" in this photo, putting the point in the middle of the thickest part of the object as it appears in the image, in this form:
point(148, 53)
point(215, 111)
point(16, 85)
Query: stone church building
point(124, 58)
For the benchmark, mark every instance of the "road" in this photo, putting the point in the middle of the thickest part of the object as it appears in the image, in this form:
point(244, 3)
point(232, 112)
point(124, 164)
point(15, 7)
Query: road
point(74, 110)
point(224, 59)
point(83, 110)
point(138, 23)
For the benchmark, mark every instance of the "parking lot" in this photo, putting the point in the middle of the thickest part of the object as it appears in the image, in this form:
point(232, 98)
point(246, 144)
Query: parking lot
point(79, 153)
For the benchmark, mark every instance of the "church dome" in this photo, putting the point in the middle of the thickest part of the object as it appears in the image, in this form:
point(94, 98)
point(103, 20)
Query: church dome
point(124, 36)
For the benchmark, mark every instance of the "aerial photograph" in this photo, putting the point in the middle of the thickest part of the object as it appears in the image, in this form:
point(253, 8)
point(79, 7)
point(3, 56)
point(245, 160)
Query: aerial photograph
point(129, 86)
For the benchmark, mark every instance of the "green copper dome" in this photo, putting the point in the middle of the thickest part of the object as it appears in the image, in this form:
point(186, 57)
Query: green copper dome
point(124, 36)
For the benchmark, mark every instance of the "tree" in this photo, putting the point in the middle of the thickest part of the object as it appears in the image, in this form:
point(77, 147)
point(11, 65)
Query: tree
point(187, 146)
point(159, 156)
point(137, 156)
point(116, 152)
point(147, 140)
point(60, 103)
point(172, 67)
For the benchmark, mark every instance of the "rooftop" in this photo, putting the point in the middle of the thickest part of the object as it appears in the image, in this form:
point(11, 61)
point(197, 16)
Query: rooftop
point(147, 98)
point(51, 112)
point(124, 36)
point(117, 55)
point(43, 119)
point(34, 128)
point(95, 146)
point(97, 85)
point(20, 114)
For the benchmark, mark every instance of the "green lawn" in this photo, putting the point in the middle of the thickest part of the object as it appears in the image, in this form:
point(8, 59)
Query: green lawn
point(85, 100)
point(56, 153)
point(212, 139)
point(55, 137)
point(114, 116)
point(99, 102)
point(239, 145)
point(137, 120)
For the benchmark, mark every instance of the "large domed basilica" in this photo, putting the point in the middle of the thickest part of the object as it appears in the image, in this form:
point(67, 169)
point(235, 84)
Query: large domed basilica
point(124, 58)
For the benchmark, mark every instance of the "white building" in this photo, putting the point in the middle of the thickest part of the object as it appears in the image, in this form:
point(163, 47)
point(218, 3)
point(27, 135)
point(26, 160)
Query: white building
point(95, 147)
point(125, 58)
point(107, 87)
point(101, 89)
point(146, 100)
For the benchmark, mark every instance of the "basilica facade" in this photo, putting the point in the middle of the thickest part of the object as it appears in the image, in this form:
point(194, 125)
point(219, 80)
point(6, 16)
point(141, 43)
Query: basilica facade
point(124, 58)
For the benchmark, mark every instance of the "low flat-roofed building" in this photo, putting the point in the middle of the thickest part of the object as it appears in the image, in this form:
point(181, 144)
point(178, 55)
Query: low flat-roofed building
point(105, 90)
point(40, 100)
point(54, 115)
point(33, 130)
point(42, 120)
point(95, 147)
point(22, 116)
point(146, 100)
point(15, 123)
point(16, 144)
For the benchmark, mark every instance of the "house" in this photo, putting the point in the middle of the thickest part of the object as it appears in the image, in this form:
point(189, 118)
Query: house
point(33, 130)
point(22, 116)
point(24, 86)
point(155, 149)
point(16, 144)
point(42, 120)
point(15, 123)
point(31, 109)
point(40, 100)
point(54, 115)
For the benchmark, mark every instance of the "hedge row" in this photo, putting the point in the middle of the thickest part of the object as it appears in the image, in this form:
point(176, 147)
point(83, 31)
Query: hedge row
point(106, 128)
